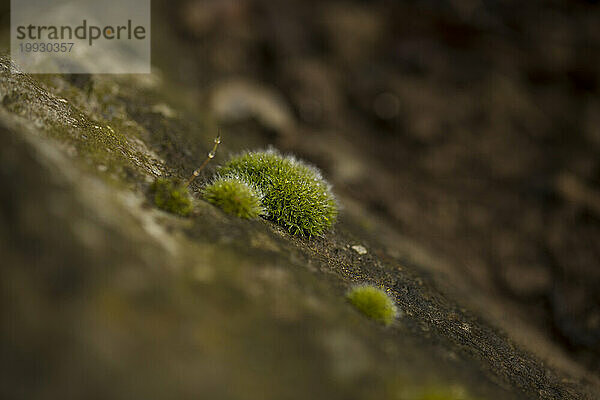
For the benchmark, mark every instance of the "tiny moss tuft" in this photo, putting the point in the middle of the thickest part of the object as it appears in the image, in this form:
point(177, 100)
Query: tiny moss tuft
point(234, 196)
point(295, 194)
point(171, 196)
point(431, 391)
point(373, 302)
point(453, 392)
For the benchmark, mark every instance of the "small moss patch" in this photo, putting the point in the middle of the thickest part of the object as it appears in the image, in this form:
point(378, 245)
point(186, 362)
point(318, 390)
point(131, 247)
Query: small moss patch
point(453, 392)
point(171, 196)
point(234, 196)
point(295, 194)
point(374, 303)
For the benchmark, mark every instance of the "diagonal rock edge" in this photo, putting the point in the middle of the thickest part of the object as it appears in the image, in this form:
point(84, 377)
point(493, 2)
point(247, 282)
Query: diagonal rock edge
point(108, 232)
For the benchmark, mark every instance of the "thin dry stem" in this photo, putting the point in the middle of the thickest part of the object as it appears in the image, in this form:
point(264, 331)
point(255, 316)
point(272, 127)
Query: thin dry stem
point(210, 156)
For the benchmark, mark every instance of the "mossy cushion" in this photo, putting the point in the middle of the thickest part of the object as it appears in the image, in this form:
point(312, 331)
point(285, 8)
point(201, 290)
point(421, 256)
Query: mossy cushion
point(235, 196)
point(374, 303)
point(171, 196)
point(295, 194)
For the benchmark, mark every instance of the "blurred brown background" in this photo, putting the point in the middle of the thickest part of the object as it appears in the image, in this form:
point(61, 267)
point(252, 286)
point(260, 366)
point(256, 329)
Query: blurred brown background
point(473, 125)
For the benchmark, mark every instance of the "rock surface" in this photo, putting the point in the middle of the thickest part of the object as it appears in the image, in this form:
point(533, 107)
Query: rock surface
point(104, 296)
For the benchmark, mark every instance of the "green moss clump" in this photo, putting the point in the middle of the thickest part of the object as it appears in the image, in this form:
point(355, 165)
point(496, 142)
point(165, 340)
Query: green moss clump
point(234, 196)
point(443, 393)
point(429, 391)
point(171, 196)
point(437, 392)
point(295, 194)
point(374, 303)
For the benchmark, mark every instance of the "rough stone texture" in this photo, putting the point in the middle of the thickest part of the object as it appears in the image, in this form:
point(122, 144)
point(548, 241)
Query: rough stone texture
point(105, 296)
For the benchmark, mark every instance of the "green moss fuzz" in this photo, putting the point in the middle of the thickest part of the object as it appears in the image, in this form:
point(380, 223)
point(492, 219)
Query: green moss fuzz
point(234, 196)
point(432, 391)
point(374, 303)
point(171, 196)
point(295, 194)
point(444, 393)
